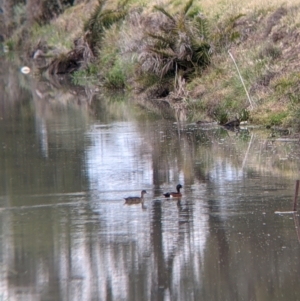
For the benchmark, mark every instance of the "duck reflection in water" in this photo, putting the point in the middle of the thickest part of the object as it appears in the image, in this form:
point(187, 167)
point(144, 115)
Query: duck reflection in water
point(174, 194)
point(133, 200)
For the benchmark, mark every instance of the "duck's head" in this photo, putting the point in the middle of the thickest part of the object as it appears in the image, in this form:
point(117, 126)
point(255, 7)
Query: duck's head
point(178, 186)
point(143, 192)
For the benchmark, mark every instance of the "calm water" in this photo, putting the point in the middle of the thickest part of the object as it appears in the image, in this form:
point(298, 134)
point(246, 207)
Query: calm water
point(67, 160)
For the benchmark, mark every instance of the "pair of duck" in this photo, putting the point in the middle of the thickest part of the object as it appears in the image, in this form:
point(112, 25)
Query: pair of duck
point(136, 200)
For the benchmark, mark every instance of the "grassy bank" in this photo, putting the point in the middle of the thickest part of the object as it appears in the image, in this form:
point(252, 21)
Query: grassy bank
point(211, 60)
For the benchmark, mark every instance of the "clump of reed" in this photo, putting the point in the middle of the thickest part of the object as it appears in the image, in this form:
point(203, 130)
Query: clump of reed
point(166, 48)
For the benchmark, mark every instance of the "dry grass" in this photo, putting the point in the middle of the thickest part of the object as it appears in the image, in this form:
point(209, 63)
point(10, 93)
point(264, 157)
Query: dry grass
point(211, 8)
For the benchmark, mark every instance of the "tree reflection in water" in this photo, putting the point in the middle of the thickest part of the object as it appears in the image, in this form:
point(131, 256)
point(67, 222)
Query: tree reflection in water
point(67, 159)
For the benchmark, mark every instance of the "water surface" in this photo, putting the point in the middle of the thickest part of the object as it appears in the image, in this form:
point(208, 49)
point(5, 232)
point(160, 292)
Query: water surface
point(68, 158)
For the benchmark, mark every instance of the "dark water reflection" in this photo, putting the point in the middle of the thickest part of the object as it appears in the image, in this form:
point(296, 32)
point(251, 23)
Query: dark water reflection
point(67, 159)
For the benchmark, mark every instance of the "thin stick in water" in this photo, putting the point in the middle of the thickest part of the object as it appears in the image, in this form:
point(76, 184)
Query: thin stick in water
point(296, 220)
point(296, 195)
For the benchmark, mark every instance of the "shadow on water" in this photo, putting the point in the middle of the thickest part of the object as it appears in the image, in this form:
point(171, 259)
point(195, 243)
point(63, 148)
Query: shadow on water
point(69, 156)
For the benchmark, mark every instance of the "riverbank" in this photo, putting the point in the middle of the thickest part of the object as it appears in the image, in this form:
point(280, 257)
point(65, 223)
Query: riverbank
point(209, 62)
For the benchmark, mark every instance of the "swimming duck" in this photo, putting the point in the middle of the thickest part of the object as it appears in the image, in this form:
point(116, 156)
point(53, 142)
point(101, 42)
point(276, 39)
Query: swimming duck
point(174, 194)
point(135, 199)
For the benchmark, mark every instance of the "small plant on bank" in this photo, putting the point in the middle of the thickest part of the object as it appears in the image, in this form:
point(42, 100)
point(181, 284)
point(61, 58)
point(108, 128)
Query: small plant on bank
point(244, 115)
point(221, 114)
point(10, 45)
point(115, 77)
point(276, 118)
point(83, 76)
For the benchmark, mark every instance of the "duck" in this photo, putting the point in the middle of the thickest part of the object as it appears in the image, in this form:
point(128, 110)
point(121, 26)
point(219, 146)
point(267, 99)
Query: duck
point(135, 199)
point(174, 194)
